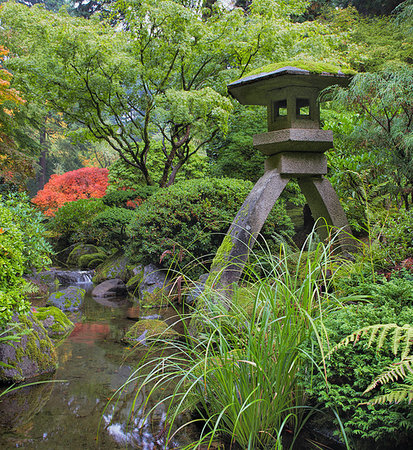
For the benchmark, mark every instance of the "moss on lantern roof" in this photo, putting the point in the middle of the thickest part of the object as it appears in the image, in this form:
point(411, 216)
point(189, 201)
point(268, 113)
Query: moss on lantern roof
point(311, 66)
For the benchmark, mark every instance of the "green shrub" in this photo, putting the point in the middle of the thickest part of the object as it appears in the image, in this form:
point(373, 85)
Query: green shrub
point(395, 240)
point(72, 222)
point(109, 226)
point(350, 371)
point(22, 249)
point(120, 198)
point(395, 293)
point(188, 220)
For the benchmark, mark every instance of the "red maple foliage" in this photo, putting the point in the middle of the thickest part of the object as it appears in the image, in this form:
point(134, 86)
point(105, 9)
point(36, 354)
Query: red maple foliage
point(88, 182)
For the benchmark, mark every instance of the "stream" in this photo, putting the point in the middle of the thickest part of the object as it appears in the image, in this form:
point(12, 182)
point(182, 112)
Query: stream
point(74, 413)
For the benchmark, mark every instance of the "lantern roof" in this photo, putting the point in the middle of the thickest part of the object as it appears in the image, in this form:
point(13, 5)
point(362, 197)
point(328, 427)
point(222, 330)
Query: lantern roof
point(256, 88)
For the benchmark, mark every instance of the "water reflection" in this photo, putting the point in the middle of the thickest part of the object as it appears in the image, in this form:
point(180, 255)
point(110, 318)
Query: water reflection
point(68, 415)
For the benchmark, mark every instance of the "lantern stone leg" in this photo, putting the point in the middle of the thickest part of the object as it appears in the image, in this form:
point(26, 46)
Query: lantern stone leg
point(232, 255)
point(324, 203)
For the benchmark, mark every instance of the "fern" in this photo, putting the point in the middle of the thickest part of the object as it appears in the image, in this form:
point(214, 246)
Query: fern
point(400, 341)
point(402, 337)
point(393, 372)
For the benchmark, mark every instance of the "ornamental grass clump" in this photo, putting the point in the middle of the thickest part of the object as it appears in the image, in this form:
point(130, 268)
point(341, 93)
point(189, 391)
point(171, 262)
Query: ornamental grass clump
point(239, 374)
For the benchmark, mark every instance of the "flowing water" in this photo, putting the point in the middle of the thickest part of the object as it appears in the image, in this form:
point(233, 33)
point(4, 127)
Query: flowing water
point(74, 413)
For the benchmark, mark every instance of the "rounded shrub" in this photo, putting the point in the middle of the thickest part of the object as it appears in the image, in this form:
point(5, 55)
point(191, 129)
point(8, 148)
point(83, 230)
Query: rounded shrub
point(188, 220)
point(72, 222)
point(109, 226)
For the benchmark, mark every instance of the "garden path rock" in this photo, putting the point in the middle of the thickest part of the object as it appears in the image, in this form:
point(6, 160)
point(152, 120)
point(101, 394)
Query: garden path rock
point(110, 288)
point(32, 356)
point(69, 299)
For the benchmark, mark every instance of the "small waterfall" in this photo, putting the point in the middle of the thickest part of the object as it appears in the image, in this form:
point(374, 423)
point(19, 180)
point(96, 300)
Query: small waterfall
point(74, 276)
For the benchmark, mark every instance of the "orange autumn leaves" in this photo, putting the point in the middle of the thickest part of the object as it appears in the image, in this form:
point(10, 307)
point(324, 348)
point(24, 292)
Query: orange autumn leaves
point(6, 92)
point(13, 163)
point(88, 182)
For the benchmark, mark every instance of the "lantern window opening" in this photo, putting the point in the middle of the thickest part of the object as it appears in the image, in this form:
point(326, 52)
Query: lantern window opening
point(303, 108)
point(280, 108)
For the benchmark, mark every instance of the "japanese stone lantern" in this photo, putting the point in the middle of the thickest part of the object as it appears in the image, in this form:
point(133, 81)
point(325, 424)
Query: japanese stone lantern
point(294, 146)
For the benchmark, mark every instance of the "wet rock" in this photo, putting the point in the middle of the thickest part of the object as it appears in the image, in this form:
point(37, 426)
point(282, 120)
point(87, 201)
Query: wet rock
point(69, 299)
point(55, 321)
point(116, 266)
point(33, 355)
point(110, 288)
point(18, 407)
point(150, 330)
point(197, 290)
point(73, 260)
point(133, 283)
point(155, 288)
point(57, 276)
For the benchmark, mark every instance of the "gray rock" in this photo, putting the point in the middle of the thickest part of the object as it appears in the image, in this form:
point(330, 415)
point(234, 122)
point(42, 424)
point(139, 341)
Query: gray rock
point(150, 330)
point(54, 321)
point(110, 288)
point(155, 288)
point(69, 299)
point(33, 355)
point(117, 266)
point(133, 284)
point(197, 290)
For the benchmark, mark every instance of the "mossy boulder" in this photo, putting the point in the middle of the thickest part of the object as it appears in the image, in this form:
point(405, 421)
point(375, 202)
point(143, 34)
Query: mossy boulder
point(31, 356)
point(91, 261)
point(152, 330)
point(55, 321)
point(155, 288)
point(69, 299)
point(73, 260)
point(116, 266)
point(133, 283)
point(157, 298)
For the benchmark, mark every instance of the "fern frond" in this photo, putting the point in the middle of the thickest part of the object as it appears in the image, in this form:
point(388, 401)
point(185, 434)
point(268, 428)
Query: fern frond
point(378, 334)
point(395, 396)
point(393, 372)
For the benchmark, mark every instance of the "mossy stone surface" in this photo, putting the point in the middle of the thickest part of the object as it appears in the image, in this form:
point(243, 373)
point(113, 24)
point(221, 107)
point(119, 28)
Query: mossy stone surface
point(73, 260)
point(55, 321)
point(311, 66)
point(116, 266)
point(69, 299)
point(133, 284)
point(33, 355)
point(91, 261)
point(150, 330)
point(158, 298)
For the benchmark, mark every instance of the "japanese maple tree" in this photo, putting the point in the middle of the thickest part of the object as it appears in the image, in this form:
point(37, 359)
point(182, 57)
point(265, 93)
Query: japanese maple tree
point(87, 182)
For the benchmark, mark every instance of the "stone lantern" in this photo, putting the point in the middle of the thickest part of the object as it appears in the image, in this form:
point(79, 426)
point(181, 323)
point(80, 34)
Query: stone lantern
point(294, 146)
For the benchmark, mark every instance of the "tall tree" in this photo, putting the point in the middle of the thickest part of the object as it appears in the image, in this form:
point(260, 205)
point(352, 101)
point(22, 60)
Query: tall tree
point(150, 81)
